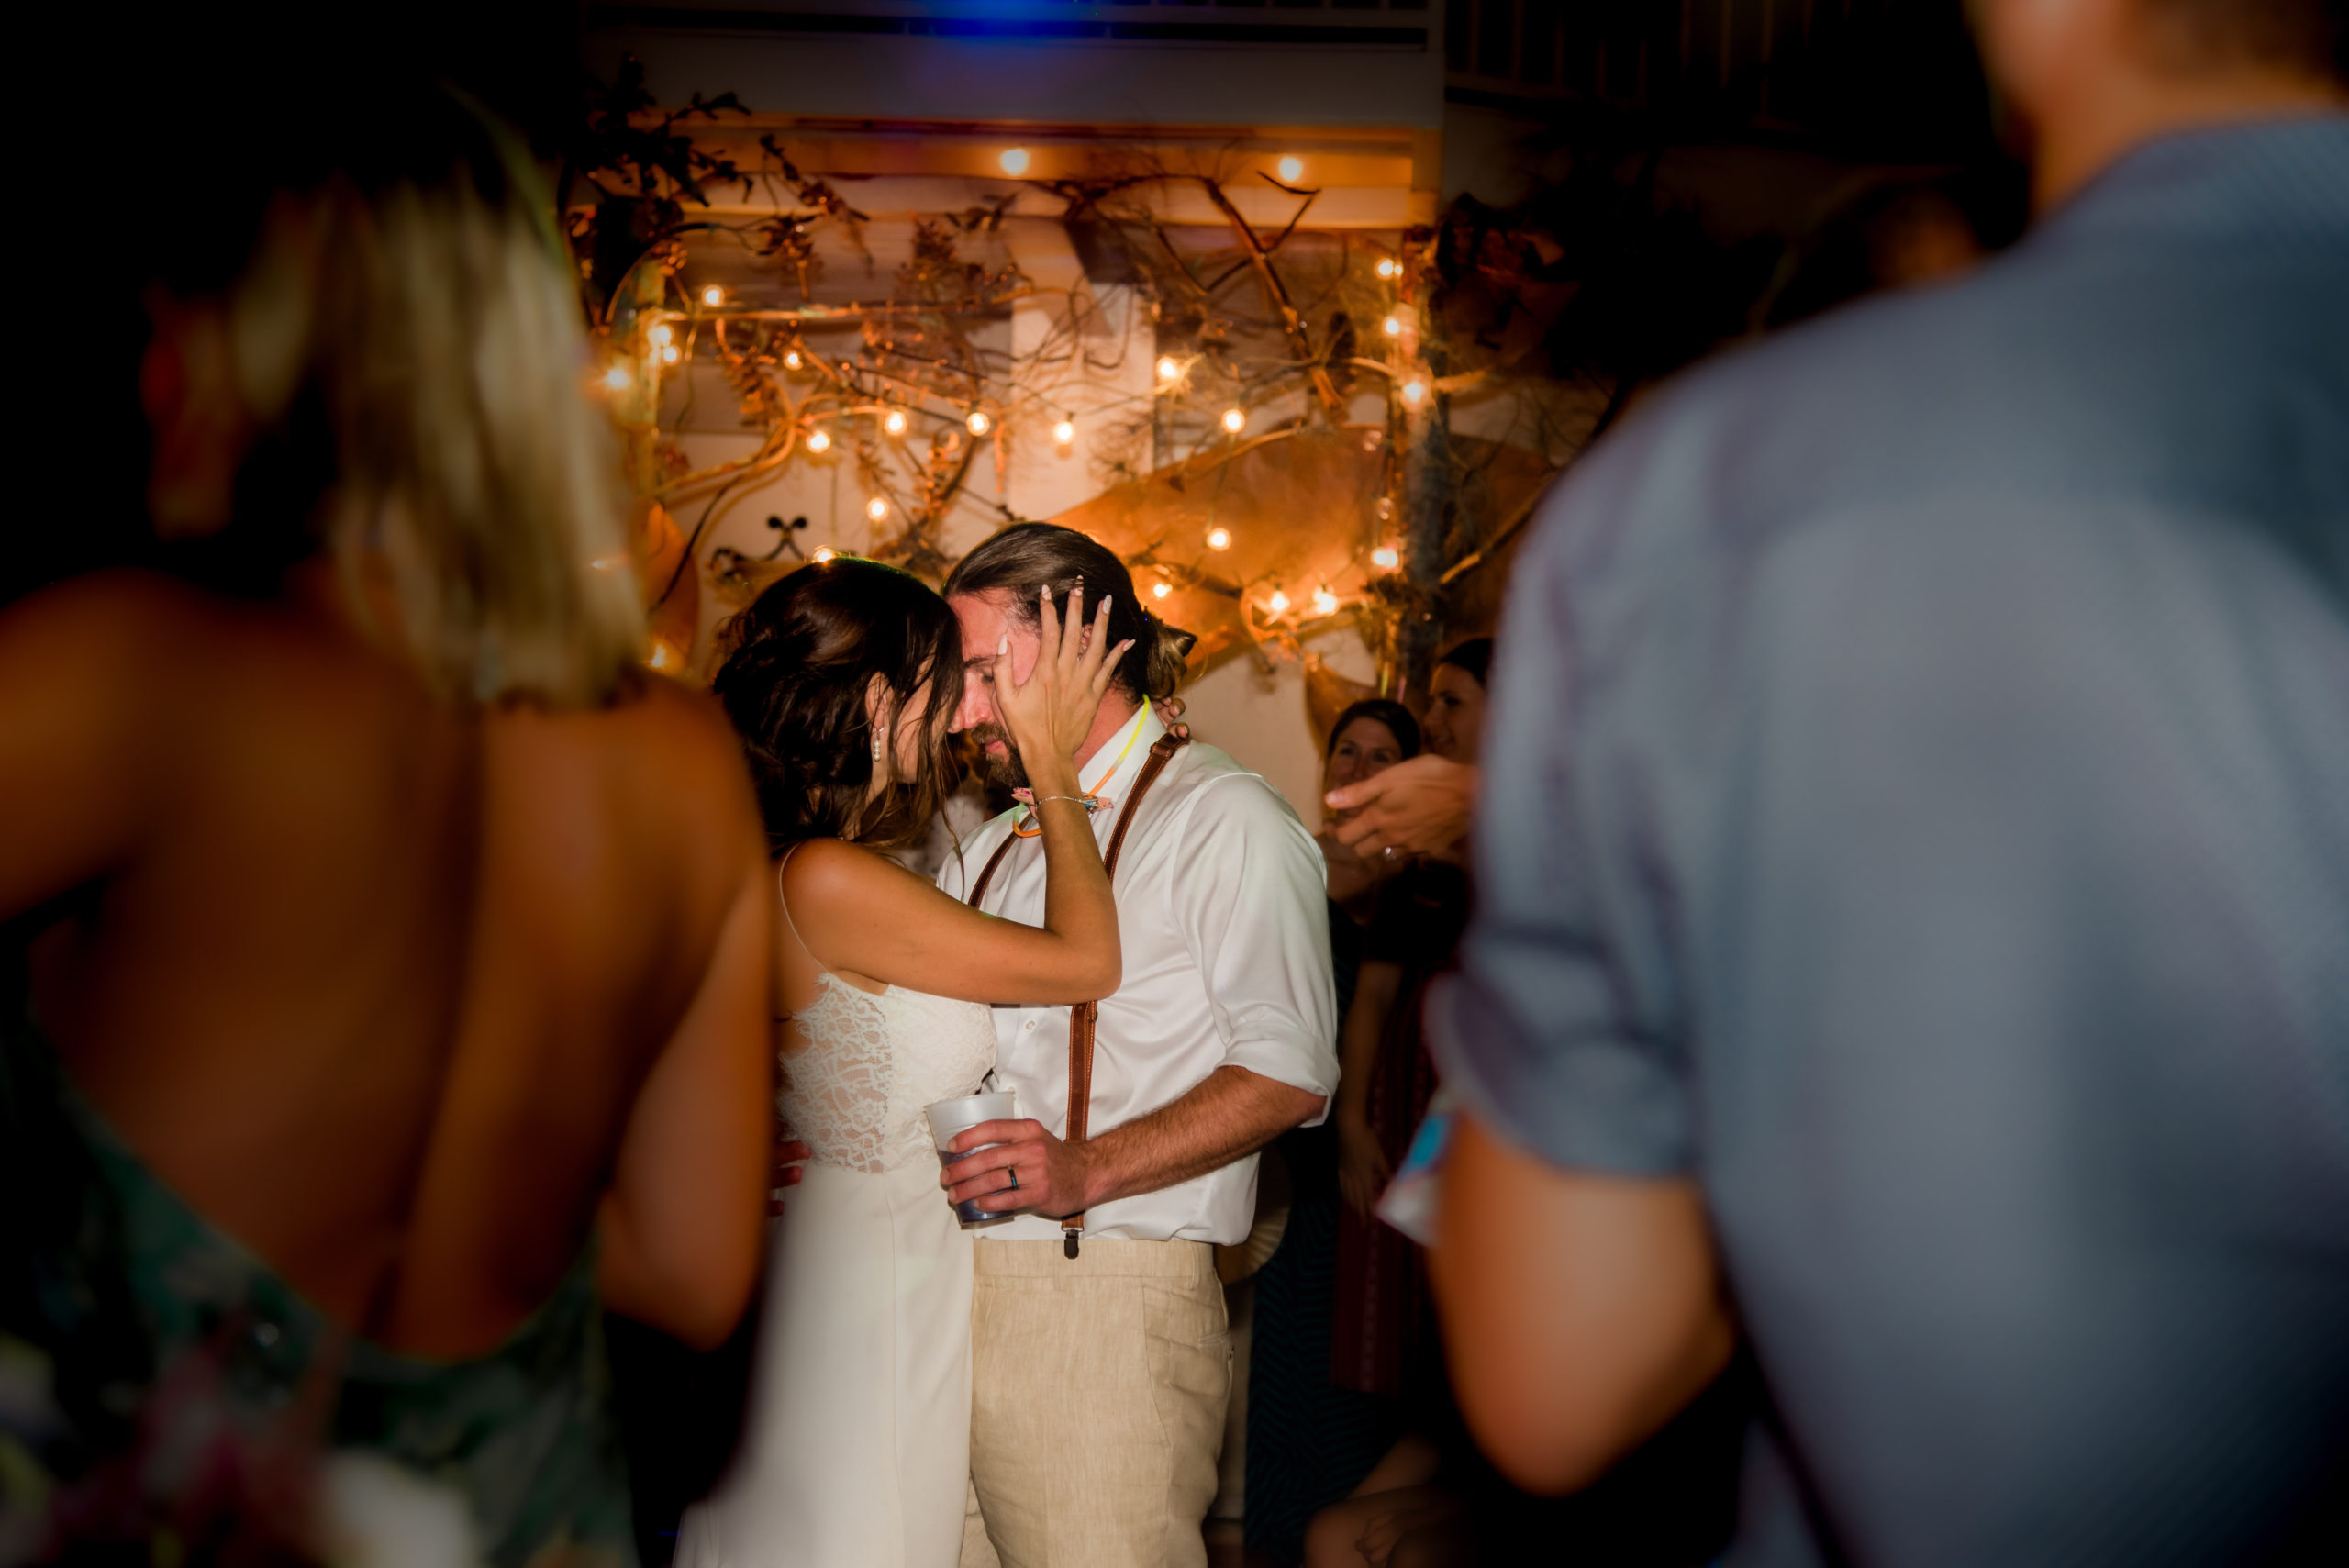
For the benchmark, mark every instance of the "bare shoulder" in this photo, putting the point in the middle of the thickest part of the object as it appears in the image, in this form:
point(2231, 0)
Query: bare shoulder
point(832, 875)
point(679, 719)
point(656, 736)
point(90, 626)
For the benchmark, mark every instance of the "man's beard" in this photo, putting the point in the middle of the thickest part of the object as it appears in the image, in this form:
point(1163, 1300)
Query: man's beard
point(1004, 772)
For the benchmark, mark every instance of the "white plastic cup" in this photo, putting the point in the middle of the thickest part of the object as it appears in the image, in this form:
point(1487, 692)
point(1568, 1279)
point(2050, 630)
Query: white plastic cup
point(950, 1117)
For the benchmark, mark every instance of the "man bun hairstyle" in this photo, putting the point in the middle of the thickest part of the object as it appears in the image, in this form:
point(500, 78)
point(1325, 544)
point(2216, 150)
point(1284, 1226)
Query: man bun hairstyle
point(1027, 557)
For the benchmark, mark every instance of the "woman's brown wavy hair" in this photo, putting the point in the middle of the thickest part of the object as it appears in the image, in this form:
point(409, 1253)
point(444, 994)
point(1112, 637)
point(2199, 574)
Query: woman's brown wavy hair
point(798, 664)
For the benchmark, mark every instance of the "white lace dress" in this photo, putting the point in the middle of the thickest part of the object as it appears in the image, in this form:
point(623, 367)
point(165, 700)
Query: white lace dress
point(856, 1443)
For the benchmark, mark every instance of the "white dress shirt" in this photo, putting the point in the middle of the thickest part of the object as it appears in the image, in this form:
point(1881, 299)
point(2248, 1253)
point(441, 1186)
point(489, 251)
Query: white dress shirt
point(1223, 919)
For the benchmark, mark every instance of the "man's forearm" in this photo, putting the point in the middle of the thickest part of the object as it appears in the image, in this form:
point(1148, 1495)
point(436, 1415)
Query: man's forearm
point(1230, 1114)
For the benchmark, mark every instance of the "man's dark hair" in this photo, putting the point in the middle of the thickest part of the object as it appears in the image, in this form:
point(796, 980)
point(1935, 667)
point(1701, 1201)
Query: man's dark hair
point(1027, 557)
point(1474, 656)
point(2304, 35)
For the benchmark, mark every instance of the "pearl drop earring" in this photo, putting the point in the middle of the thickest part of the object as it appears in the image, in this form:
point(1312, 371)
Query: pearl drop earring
point(876, 745)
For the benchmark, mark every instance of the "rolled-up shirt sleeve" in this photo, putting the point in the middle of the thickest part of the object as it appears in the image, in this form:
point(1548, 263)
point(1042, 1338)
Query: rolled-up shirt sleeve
point(1253, 909)
point(1559, 1030)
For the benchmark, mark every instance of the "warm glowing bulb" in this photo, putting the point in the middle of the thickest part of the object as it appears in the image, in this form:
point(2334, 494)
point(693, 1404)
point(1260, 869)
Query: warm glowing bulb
point(667, 353)
point(1292, 168)
point(1394, 325)
point(1387, 558)
point(1325, 603)
point(1389, 266)
point(876, 508)
point(819, 441)
point(1014, 160)
point(1235, 420)
point(713, 295)
point(791, 361)
point(979, 422)
point(1064, 432)
point(894, 421)
point(1219, 538)
point(661, 334)
point(1414, 391)
point(825, 552)
point(1169, 367)
point(1159, 590)
point(616, 378)
point(660, 660)
point(1278, 603)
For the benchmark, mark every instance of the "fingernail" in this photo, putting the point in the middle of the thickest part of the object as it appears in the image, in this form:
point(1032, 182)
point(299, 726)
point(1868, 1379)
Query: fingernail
point(1106, 600)
point(1003, 643)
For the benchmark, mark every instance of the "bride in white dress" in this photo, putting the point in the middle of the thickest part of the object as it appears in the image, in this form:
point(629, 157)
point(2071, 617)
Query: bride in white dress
point(842, 680)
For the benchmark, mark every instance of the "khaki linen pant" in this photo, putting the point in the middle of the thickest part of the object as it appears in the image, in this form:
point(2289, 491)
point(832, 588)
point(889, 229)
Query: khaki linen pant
point(1098, 1393)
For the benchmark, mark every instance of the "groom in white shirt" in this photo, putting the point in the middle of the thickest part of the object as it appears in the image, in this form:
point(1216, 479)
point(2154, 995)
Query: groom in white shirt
point(1101, 1355)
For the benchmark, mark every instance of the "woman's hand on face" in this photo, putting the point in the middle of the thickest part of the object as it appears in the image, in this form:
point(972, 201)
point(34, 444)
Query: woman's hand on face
point(1050, 713)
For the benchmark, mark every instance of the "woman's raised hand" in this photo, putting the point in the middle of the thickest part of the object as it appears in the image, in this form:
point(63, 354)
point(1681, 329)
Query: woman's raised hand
point(1050, 713)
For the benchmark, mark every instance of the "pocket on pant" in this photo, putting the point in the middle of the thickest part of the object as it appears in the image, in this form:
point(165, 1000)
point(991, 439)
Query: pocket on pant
point(1190, 1345)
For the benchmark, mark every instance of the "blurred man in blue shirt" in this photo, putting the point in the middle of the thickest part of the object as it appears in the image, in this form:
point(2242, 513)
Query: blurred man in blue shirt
point(1914, 868)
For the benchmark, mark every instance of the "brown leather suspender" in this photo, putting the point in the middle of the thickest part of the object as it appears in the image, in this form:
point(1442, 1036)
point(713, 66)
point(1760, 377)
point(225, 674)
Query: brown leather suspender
point(1082, 1017)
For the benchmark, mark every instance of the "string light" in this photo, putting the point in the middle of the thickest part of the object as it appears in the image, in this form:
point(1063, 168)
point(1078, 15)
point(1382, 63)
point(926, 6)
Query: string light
point(1064, 432)
point(1387, 558)
point(826, 552)
point(1278, 603)
point(616, 378)
point(1219, 538)
point(1393, 326)
point(1160, 590)
point(1014, 161)
point(1414, 391)
point(1325, 603)
point(661, 335)
point(894, 421)
point(979, 422)
point(791, 360)
point(876, 508)
point(1235, 420)
point(1292, 168)
point(713, 295)
point(819, 441)
point(1389, 266)
point(1169, 367)
point(667, 353)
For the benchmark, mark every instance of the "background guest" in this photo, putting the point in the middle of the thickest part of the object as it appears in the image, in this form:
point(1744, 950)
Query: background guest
point(1384, 1342)
point(392, 1003)
point(1455, 722)
point(1310, 1440)
point(1421, 806)
point(1369, 737)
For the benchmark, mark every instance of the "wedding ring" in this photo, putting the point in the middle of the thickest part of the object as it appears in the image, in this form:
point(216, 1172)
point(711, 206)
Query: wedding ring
point(1015, 1178)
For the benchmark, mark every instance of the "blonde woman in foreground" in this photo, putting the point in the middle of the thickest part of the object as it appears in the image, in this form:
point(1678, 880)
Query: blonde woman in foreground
point(398, 951)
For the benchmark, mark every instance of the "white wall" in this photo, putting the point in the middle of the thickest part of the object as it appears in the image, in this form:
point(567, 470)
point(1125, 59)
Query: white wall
point(1261, 718)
